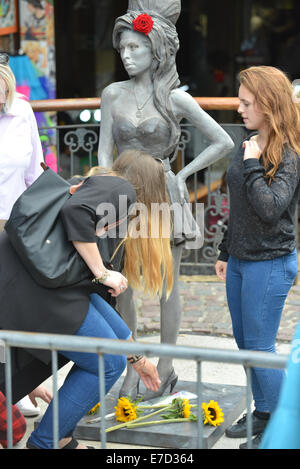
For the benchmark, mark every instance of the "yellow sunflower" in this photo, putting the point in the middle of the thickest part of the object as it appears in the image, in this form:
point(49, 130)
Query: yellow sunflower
point(186, 409)
point(212, 413)
point(94, 409)
point(125, 410)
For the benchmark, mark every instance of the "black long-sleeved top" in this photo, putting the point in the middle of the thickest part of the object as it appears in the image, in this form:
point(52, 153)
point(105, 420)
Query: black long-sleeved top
point(262, 217)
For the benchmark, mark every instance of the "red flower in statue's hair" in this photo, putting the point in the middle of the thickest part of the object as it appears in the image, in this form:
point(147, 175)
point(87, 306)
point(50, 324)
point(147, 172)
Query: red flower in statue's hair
point(143, 24)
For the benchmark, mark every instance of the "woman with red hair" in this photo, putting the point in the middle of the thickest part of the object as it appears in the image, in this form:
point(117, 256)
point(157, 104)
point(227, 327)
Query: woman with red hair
point(258, 258)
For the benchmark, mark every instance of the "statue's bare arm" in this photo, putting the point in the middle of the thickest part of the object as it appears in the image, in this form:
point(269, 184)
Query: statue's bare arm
point(186, 107)
point(106, 141)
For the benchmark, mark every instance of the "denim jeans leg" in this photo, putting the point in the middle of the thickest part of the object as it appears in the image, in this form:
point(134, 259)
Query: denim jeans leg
point(80, 391)
point(234, 289)
point(266, 286)
point(234, 298)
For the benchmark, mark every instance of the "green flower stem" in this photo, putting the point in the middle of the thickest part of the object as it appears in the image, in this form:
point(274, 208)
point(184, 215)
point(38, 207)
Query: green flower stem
point(156, 422)
point(161, 406)
point(125, 424)
point(145, 407)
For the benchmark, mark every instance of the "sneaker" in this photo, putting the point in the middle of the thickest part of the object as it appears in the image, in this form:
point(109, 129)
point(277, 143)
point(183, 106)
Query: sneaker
point(26, 407)
point(255, 442)
point(239, 429)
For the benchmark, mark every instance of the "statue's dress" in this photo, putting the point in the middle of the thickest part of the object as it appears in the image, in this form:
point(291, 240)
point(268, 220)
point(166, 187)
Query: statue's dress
point(152, 135)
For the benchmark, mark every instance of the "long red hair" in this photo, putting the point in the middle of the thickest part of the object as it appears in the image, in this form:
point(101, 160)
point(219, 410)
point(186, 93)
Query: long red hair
point(274, 95)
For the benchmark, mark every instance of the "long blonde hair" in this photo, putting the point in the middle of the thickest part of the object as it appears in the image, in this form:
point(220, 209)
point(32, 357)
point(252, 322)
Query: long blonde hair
point(148, 262)
point(273, 92)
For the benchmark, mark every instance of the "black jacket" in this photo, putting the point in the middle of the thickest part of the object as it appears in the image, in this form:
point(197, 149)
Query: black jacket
point(262, 218)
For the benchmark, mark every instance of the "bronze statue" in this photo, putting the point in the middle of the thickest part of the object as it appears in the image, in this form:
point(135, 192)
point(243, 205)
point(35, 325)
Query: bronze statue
point(144, 113)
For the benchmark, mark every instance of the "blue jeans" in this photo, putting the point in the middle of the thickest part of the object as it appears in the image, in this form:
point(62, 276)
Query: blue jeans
point(80, 391)
point(256, 293)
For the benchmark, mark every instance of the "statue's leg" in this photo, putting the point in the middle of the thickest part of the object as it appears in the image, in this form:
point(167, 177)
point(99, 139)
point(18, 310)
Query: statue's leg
point(170, 318)
point(170, 314)
point(126, 308)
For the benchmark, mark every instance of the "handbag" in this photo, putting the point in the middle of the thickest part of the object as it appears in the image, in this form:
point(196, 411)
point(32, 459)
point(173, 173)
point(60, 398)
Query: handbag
point(36, 231)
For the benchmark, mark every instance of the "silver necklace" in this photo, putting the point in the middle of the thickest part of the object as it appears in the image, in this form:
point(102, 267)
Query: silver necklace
point(140, 108)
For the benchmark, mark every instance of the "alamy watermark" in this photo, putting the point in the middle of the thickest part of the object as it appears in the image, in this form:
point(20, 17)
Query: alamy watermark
point(179, 221)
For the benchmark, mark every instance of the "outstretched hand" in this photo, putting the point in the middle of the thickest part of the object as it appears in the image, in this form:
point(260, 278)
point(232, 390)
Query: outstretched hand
point(41, 392)
point(148, 374)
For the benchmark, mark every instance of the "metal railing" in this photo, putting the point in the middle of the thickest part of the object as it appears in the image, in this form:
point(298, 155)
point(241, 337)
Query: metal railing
point(55, 343)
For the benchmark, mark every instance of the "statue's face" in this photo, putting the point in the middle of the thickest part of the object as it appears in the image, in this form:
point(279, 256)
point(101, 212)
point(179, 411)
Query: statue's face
point(136, 53)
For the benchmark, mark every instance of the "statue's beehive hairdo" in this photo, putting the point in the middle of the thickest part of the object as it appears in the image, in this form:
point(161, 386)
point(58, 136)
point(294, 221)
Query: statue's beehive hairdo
point(169, 9)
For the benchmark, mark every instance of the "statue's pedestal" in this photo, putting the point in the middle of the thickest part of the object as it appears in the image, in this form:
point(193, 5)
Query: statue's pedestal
point(232, 400)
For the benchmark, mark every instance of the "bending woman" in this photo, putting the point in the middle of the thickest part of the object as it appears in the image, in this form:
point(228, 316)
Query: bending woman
point(77, 309)
point(258, 258)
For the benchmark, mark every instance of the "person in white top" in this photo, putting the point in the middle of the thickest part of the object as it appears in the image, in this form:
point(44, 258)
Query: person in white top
point(20, 157)
point(20, 146)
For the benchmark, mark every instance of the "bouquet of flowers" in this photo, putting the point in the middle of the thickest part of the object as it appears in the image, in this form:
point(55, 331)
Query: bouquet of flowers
point(132, 415)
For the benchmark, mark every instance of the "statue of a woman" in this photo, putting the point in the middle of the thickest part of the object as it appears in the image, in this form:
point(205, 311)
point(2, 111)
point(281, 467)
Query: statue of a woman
point(144, 113)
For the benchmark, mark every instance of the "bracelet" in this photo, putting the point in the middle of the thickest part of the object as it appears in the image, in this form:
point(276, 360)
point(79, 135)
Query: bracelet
point(102, 278)
point(134, 358)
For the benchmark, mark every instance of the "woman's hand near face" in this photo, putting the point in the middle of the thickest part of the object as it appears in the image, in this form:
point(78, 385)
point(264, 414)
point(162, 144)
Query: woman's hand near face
point(252, 150)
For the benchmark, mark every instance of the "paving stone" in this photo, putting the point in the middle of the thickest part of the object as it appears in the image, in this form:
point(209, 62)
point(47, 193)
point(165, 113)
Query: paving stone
point(192, 310)
point(150, 302)
point(144, 320)
point(190, 318)
point(152, 327)
point(293, 301)
point(149, 314)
